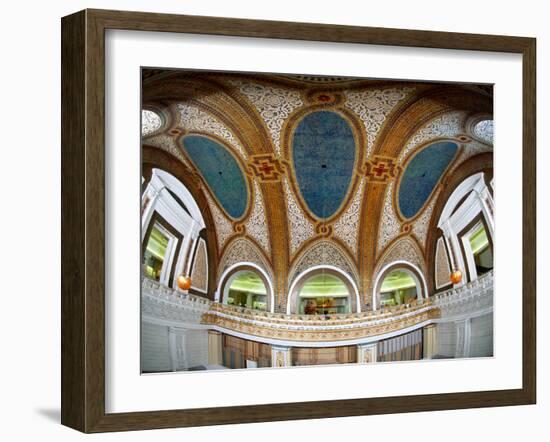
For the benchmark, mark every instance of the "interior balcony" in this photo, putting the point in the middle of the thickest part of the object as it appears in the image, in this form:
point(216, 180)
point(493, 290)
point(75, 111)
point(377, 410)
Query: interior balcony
point(181, 331)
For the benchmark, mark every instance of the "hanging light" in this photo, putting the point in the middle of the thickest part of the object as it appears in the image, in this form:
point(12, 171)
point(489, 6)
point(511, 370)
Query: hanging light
point(184, 282)
point(456, 276)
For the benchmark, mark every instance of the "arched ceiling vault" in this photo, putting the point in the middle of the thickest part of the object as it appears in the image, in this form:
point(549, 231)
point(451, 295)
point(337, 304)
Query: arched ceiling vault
point(419, 110)
point(260, 132)
point(482, 162)
point(239, 116)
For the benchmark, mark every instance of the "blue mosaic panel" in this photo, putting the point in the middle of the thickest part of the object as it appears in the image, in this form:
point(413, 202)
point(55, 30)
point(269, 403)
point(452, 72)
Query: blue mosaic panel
point(323, 152)
point(422, 175)
point(220, 170)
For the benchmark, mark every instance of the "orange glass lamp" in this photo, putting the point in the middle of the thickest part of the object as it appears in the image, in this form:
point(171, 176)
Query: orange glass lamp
point(184, 282)
point(456, 276)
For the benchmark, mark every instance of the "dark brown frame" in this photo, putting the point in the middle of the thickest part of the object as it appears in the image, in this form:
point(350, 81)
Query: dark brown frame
point(83, 216)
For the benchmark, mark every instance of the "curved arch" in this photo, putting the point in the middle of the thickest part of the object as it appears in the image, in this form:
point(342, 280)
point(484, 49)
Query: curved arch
point(348, 280)
point(482, 162)
point(395, 265)
point(463, 189)
point(214, 96)
point(404, 248)
point(241, 249)
point(420, 109)
point(156, 158)
point(334, 255)
point(176, 186)
point(226, 278)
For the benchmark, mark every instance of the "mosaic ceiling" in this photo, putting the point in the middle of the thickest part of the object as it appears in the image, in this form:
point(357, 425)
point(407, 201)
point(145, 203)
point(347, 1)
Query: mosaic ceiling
point(323, 157)
point(290, 163)
point(422, 174)
point(221, 172)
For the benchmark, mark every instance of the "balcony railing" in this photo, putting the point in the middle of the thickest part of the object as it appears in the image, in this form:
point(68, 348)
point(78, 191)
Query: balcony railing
point(469, 299)
point(172, 305)
point(163, 304)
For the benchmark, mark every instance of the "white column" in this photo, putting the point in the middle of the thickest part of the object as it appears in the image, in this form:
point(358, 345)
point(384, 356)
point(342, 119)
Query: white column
point(429, 339)
point(150, 197)
point(183, 266)
point(281, 356)
point(455, 251)
point(367, 353)
point(176, 346)
point(485, 199)
point(215, 348)
point(463, 338)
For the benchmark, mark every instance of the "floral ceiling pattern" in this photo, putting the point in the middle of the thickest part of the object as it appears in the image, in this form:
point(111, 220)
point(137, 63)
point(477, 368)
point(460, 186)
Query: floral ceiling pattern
point(305, 199)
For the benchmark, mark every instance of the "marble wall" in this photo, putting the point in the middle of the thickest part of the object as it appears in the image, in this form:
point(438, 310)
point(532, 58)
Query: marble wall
point(469, 338)
point(482, 336)
point(172, 348)
point(155, 353)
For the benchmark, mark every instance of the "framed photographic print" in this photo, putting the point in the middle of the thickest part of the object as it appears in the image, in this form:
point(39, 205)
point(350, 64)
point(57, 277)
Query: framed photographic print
point(268, 221)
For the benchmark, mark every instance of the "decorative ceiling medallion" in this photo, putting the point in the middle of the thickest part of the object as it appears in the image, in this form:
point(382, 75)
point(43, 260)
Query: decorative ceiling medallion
point(221, 171)
point(324, 230)
point(265, 167)
point(464, 138)
point(239, 228)
point(323, 158)
point(381, 169)
point(324, 98)
point(421, 175)
point(176, 132)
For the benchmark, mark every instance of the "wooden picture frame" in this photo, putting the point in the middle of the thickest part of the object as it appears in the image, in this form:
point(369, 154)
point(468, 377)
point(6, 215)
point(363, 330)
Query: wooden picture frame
point(83, 220)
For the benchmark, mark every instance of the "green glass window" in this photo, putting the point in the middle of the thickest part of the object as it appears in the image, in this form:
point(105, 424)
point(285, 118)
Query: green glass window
point(324, 294)
point(481, 248)
point(155, 253)
point(398, 287)
point(247, 290)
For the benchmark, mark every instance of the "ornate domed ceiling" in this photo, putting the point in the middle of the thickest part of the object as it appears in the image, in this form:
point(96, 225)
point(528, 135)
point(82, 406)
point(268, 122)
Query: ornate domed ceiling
point(298, 171)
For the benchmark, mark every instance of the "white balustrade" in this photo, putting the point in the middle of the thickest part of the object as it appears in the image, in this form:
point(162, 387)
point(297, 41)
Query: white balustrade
point(162, 303)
